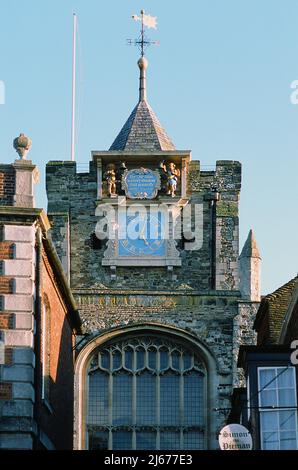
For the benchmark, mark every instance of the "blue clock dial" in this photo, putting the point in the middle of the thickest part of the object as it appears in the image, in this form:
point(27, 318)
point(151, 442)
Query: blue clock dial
point(143, 237)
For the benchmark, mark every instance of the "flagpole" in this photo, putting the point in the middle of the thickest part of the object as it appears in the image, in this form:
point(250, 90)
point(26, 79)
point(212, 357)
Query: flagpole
point(73, 120)
point(142, 13)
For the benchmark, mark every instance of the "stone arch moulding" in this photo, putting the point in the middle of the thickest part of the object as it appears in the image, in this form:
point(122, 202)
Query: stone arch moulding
point(147, 328)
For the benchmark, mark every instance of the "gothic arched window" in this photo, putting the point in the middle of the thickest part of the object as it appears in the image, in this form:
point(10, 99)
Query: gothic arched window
point(147, 392)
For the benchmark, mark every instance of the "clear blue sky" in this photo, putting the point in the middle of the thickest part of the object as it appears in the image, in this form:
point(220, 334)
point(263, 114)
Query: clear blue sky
point(219, 82)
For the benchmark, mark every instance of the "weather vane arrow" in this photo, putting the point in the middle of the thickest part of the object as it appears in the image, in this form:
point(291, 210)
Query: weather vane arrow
point(143, 42)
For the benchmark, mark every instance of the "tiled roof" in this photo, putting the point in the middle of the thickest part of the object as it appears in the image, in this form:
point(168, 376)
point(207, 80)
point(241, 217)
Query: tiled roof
point(142, 131)
point(271, 313)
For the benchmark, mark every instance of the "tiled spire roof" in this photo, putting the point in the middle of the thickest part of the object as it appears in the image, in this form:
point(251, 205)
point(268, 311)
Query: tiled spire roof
point(142, 130)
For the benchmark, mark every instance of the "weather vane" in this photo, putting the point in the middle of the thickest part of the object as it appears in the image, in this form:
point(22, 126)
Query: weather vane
point(143, 41)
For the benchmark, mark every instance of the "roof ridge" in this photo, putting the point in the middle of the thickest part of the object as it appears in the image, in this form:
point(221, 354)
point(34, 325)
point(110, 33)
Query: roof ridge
point(161, 128)
point(122, 134)
point(274, 306)
point(282, 289)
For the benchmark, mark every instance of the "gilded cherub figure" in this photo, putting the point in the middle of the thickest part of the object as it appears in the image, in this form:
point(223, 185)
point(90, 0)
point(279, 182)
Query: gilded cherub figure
point(110, 177)
point(173, 174)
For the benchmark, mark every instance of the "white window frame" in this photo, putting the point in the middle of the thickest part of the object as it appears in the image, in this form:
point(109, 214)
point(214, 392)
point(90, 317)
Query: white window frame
point(277, 409)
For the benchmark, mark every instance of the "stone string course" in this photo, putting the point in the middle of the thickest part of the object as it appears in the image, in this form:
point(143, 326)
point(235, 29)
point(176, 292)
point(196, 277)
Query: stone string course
point(210, 319)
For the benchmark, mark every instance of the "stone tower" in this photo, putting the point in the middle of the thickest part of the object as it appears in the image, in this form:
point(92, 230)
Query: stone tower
point(155, 363)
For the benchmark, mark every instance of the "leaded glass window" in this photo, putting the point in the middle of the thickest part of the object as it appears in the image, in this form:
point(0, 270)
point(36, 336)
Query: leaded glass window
point(146, 392)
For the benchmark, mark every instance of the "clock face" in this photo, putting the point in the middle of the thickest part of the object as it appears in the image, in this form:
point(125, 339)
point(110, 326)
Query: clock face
point(143, 236)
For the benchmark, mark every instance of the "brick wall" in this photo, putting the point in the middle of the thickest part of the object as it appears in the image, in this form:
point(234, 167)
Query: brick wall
point(6, 250)
point(56, 414)
point(6, 284)
point(6, 321)
point(16, 325)
point(5, 391)
point(21, 390)
point(7, 185)
point(8, 356)
point(6, 287)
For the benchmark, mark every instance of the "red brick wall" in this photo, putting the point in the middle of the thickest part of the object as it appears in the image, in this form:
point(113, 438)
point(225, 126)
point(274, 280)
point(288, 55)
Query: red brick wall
point(7, 186)
point(5, 391)
point(8, 356)
point(58, 424)
point(5, 285)
point(6, 387)
point(6, 250)
point(6, 321)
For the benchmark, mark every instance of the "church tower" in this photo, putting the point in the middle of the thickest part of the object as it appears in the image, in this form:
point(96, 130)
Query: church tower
point(149, 242)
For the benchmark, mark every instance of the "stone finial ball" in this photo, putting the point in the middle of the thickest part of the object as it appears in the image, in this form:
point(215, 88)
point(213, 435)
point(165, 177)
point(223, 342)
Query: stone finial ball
point(143, 63)
point(22, 145)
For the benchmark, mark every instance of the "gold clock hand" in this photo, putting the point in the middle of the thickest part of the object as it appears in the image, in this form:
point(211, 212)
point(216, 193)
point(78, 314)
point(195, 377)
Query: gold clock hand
point(142, 236)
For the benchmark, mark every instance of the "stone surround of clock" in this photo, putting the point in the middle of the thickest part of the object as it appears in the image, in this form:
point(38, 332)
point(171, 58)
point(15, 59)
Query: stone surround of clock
point(140, 162)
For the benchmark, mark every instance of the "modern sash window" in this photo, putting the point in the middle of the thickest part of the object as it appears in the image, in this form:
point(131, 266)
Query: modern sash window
point(146, 393)
point(278, 408)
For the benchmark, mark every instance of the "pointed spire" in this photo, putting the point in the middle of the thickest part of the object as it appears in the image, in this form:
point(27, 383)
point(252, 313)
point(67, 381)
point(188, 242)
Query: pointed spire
point(250, 248)
point(142, 130)
point(250, 270)
point(143, 64)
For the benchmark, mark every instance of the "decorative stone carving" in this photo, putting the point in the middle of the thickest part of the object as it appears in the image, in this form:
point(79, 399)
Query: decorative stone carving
point(26, 174)
point(22, 145)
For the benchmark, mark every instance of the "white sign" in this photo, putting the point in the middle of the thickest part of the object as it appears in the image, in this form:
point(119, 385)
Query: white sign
point(235, 437)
